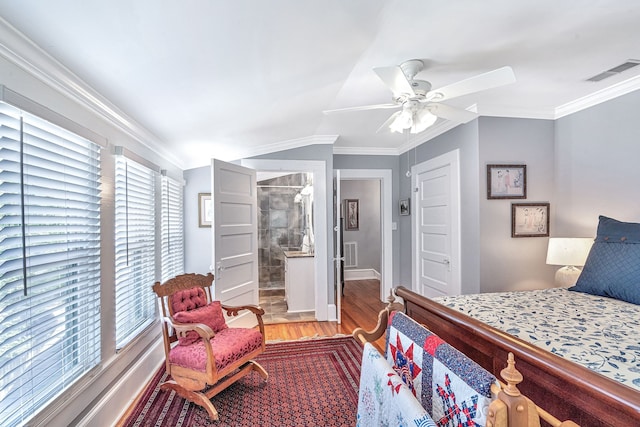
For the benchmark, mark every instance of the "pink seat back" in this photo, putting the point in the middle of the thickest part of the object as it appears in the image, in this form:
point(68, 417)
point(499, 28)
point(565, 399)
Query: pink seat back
point(188, 299)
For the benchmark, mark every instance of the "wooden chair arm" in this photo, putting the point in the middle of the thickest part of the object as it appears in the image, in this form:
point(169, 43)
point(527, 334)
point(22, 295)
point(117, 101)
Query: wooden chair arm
point(205, 332)
point(234, 310)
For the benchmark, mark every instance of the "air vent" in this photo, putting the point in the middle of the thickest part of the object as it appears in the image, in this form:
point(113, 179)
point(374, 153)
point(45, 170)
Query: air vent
point(615, 70)
point(350, 254)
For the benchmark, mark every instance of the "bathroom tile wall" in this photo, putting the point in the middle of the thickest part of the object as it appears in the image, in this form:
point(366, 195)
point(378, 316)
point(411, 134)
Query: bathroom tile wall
point(280, 226)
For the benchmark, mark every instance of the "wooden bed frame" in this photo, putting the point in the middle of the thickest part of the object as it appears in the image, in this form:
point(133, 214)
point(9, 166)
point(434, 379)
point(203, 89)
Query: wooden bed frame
point(565, 389)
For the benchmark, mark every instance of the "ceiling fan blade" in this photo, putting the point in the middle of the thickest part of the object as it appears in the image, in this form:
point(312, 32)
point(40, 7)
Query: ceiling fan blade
point(395, 79)
point(450, 113)
point(390, 120)
point(363, 108)
point(501, 76)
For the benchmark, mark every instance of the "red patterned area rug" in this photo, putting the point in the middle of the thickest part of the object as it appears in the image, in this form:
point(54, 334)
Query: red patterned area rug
point(311, 383)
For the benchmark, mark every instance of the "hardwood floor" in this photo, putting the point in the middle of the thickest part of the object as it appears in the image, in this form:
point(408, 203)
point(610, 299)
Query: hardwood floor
point(360, 307)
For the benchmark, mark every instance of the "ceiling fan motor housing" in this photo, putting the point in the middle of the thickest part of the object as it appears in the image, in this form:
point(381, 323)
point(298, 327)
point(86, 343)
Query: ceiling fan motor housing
point(411, 67)
point(420, 87)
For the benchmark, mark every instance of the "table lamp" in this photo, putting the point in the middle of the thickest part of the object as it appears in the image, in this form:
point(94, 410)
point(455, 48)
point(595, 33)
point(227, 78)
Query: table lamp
point(570, 252)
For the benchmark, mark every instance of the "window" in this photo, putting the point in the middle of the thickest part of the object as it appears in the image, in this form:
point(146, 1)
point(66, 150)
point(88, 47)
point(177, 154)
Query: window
point(135, 248)
point(49, 261)
point(172, 258)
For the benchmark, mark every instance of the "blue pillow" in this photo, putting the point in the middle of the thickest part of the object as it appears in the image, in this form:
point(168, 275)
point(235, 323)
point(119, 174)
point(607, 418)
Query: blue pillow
point(612, 268)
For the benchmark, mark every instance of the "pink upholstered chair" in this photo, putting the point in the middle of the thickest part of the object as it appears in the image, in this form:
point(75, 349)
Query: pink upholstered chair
point(203, 355)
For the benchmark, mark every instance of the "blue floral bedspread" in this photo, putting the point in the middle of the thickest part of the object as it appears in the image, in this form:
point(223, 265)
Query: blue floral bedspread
point(600, 333)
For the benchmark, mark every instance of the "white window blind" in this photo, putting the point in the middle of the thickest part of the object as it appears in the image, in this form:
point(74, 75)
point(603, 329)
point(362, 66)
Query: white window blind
point(172, 258)
point(49, 262)
point(135, 248)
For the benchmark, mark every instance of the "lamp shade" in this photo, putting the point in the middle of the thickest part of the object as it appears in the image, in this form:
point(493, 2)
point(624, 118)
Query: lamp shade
point(571, 251)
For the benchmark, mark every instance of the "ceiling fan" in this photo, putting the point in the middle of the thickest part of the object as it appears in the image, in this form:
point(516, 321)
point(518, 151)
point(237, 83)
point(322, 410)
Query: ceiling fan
point(420, 105)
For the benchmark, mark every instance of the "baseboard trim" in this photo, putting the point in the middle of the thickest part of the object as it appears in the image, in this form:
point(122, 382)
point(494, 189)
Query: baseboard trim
point(361, 274)
point(115, 403)
point(332, 312)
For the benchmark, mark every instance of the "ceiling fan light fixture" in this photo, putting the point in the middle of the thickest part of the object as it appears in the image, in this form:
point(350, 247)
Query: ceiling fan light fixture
point(403, 121)
point(422, 120)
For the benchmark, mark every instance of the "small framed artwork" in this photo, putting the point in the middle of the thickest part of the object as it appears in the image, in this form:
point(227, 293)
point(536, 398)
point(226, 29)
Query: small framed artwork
point(353, 214)
point(506, 181)
point(204, 210)
point(405, 207)
point(529, 219)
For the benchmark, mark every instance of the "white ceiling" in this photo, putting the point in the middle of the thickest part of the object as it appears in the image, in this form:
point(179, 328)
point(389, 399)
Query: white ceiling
point(229, 79)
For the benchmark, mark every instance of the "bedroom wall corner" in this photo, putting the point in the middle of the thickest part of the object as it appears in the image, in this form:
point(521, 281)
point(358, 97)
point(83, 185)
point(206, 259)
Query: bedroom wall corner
point(197, 241)
point(597, 172)
point(465, 139)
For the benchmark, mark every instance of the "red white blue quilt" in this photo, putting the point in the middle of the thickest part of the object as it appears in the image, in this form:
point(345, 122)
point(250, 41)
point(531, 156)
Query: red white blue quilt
point(454, 390)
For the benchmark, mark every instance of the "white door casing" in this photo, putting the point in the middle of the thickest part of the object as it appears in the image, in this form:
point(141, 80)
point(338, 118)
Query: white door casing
point(321, 258)
point(386, 233)
point(436, 226)
point(235, 238)
point(337, 237)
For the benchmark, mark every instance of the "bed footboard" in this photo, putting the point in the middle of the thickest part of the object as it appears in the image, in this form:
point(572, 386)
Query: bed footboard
point(508, 407)
point(566, 390)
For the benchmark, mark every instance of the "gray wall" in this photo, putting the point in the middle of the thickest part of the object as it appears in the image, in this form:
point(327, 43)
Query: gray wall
point(597, 173)
point(584, 165)
point(367, 236)
point(197, 241)
point(465, 138)
point(508, 263)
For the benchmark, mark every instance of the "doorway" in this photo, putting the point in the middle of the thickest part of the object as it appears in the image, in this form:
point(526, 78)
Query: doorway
point(383, 179)
point(320, 259)
point(285, 239)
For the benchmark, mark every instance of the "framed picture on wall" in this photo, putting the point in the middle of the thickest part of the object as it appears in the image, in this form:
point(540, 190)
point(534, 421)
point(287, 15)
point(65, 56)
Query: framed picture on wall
point(529, 219)
point(405, 207)
point(204, 209)
point(352, 207)
point(506, 181)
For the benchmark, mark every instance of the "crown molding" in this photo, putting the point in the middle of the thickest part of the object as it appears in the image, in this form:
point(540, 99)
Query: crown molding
point(24, 53)
point(287, 145)
point(365, 151)
point(519, 113)
point(607, 94)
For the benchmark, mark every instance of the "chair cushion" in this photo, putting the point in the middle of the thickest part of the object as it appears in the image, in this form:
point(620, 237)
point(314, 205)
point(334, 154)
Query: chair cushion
point(612, 268)
point(188, 299)
point(211, 315)
point(229, 345)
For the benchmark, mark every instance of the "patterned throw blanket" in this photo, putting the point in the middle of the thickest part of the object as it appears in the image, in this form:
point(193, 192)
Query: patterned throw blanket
point(384, 400)
point(452, 388)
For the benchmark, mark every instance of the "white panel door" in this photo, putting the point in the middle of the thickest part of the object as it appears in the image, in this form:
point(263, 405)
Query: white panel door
point(235, 237)
point(436, 226)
